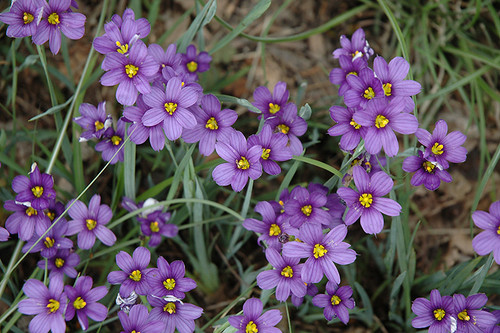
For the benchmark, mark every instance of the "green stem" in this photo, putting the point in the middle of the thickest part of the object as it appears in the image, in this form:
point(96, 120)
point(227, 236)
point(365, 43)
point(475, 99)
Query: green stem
point(319, 165)
point(11, 266)
point(43, 60)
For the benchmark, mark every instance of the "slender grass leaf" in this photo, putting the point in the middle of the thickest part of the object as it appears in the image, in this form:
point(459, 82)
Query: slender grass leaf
point(201, 19)
point(240, 101)
point(367, 314)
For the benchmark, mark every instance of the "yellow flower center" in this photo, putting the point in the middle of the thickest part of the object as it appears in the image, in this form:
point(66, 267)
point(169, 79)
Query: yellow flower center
point(131, 70)
point(79, 303)
point(381, 121)
point(335, 300)
point(352, 73)
point(98, 125)
point(251, 327)
point(170, 107)
point(212, 124)
point(30, 211)
point(273, 108)
point(464, 315)
point(59, 262)
point(169, 284)
point(115, 139)
point(283, 128)
point(354, 124)
point(355, 53)
point(437, 149)
point(51, 215)
point(49, 242)
point(369, 93)
point(154, 226)
point(27, 18)
point(498, 230)
point(439, 314)
point(387, 88)
point(265, 153)
point(53, 305)
point(319, 251)
point(37, 191)
point(121, 48)
point(91, 224)
point(428, 166)
point(136, 275)
point(53, 18)
point(287, 272)
point(170, 307)
point(306, 210)
point(366, 200)
point(192, 66)
point(274, 230)
point(243, 163)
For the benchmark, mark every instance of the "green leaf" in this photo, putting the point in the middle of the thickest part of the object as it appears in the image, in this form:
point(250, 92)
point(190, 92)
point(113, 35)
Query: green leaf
point(240, 101)
point(305, 112)
point(53, 109)
point(201, 19)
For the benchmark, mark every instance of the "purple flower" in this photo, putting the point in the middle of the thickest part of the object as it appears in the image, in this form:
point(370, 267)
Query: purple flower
point(311, 291)
point(117, 39)
point(435, 314)
point(348, 66)
point(175, 314)
point(54, 211)
point(138, 321)
point(47, 304)
point(36, 190)
point(364, 88)
point(336, 209)
point(271, 228)
point(134, 274)
point(441, 147)
point(426, 172)
point(143, 26)
point(274, 148)
point(321, 251)
point(336, 301)
point(488, 240)
point(271, 104)
point(350, 130)
point(26, 221)
point(82, 300)
point(169, 107)
point(132, 73)
point(22, 18)
point(90, 223)
point(168, 279)
point(290, 124)
point(356, 47)
point(306, 207)
point(469, 316)
point(52, 241)
point(368, 202)
point(93, 120)
point(4, 234)
point(169, 59)
point(112, 143)
point(155, 226)
point(382, 119)
point(193, 63)
point(57, 18)
point(285, 277)
point(243, 162)
point(63, 262)
point(212, 124)
point(253, 320)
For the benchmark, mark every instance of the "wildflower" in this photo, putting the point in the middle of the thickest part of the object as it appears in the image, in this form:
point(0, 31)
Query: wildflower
point(138, 321)
point(435, 314)
point(52, 241)
point(22, 18)
point(321, 251)
point(165, 59)
point(90, 223)
point(54, 211)
point(112, 143)
point(62, 263)
point(168, 279)
point(368, 202)
point(132, 73)
point(312, 290)
point(117, 39)
point(134, 274)
point(36, 191)
point(428, 173)
point(170, 107)
point(175, 314)
point(350, 131)
point(47, 304)
point(193, 63)
point(4, 234)
point(155, 226)
point(290, 124)
point(468, 314)
point(364, 88)
point(57, 18)
point(382, 119)
point(274, 148)
point(285, 277)
point(82, 300)
point(347, 67)
point(357, 47)
point(336, 301)
point(306, 207)
point(253, 320)
point(143, 26)
point(26, 221)
point(242, 162)
point(93, 120)
point(271, 104)
point(336, 209)
point(489, 239)
point(441, 147)
point(212, 124)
